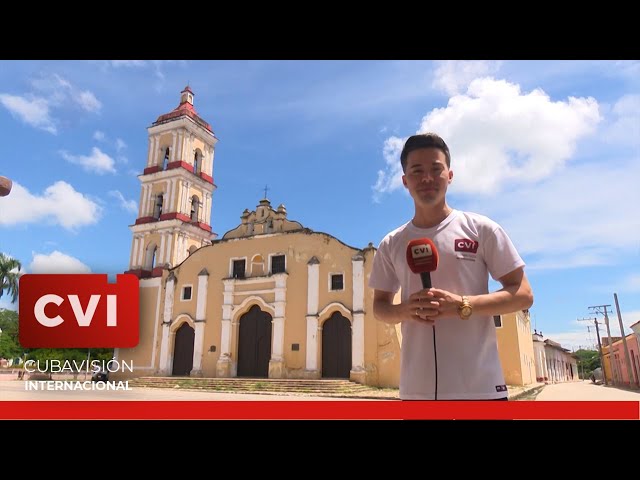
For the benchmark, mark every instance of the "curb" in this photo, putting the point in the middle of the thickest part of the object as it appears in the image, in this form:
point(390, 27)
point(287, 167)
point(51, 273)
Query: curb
point(535, 390)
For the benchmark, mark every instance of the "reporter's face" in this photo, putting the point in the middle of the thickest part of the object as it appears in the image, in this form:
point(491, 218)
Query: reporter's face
point(427, 175)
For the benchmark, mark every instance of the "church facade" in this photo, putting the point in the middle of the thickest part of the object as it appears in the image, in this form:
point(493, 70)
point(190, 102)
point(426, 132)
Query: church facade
point(269, 299)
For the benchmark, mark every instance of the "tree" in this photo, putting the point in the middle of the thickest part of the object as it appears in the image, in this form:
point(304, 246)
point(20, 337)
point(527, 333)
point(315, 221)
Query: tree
point(588, 361)
point(9, 345)
point(9, 274)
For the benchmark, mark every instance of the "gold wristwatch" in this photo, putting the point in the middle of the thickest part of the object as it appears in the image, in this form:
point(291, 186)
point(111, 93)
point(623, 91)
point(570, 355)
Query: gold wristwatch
point(465, 310)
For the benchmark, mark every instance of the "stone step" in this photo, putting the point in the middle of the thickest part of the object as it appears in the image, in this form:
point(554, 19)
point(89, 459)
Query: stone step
point(327, 386)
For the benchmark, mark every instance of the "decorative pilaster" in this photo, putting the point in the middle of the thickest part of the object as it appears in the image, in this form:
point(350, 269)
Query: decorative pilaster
point(313, 293)
point(165, 357)
point(276, 364)
point(156, 140)
point(358, 373)
point(172, 156)
point(223, 367)
point(201, 306)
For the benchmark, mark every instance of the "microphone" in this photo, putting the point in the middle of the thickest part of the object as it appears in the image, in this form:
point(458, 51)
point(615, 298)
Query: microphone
point(5, 186)
point(422, 257)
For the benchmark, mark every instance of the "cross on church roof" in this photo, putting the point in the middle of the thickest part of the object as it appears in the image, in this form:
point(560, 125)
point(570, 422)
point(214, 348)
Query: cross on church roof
point(266, 188)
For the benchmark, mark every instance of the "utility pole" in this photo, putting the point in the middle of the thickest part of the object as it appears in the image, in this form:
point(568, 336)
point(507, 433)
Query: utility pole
point(603, 310)
point(633, 381)
point(595, 321)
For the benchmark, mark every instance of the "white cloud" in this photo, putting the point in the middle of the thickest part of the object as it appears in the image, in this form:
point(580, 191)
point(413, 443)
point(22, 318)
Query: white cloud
point(61, 92)
point(99, 136)
point(625, 125)
point(583, 334)
point(34, 112)
point(128, 205)
point(156, 65)
point(575, 339)
point(454, 76)
point(391, 178)
point(56, 262)
point(568, 220)
point(631, 284)
point(127, 63)
point(630, 68)
point(120, 145)
point(60, 204)
point(88, 101)
point(54, 92)
point(499, 135)
point(98, 162)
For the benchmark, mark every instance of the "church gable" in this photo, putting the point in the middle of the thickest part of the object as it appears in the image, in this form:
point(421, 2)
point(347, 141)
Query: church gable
point(264, 220)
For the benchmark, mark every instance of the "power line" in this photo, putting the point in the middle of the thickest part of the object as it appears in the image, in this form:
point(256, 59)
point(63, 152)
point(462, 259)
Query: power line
point(632, 378)
point(603, 310)
point(595, 321)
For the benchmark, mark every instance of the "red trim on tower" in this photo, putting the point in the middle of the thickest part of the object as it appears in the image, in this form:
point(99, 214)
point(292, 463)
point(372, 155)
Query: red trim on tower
point(206, 178)
point(201, 225)
point(145, 220)
point(180, 163)
point(174, 216)
point(157, 272)
point(140, 273)
point(149, 170)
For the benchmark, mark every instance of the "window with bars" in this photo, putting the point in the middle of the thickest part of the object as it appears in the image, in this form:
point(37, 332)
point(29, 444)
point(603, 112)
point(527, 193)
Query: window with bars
point(186, 293)
point(239, 268)
point(337, 281)
point(277, 264)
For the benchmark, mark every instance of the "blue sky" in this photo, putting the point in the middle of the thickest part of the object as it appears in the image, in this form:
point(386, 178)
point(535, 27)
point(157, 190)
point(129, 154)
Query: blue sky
point(549, 149)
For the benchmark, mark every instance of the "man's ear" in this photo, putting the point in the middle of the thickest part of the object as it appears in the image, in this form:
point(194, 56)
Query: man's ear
point(404, 181)
point(450, 176)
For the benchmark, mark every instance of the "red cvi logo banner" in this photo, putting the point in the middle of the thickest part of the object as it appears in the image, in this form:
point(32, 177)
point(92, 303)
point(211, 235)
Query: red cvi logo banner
point(79, 311)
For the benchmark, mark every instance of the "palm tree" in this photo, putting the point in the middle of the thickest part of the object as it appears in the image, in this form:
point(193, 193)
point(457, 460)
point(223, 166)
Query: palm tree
point(9, 274)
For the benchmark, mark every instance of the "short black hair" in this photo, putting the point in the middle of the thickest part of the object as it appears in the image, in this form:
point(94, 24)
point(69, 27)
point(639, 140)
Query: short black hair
point(424, 140)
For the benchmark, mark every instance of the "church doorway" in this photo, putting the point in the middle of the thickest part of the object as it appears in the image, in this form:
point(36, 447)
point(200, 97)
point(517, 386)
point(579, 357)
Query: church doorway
point(183, 350)
point(336, 347)
point(254, 344)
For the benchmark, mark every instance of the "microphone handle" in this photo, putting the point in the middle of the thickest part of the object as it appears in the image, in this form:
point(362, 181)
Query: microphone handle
point(426, 279)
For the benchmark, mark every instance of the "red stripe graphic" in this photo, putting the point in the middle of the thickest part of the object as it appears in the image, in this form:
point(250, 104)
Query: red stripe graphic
point(318, 410)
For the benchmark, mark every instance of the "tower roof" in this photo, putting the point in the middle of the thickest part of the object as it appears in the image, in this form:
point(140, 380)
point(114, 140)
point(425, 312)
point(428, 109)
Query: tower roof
point(185, 109)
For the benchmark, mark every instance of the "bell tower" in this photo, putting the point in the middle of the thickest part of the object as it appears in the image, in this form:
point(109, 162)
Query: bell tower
point(174, 216)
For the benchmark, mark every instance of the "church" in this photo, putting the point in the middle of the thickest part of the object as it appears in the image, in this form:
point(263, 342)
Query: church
point(271, 298)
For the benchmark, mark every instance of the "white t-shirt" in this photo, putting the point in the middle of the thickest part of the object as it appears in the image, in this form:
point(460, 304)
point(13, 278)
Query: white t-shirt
point(470, 247)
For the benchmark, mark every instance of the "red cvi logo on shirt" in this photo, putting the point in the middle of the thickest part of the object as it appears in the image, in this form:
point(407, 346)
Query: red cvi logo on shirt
point(79, 311)
point(466, 245)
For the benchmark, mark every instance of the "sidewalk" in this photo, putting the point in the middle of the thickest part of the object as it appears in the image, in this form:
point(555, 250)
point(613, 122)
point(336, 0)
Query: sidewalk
point(518, 391)
point(515, 392)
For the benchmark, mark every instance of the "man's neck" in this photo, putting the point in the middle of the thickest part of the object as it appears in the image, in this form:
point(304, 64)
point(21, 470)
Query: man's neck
point(427, 217)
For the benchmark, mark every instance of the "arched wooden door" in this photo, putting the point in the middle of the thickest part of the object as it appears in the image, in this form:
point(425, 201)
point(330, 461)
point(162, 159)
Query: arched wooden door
point(183, 350)
point(254, 344)
point(336, 347)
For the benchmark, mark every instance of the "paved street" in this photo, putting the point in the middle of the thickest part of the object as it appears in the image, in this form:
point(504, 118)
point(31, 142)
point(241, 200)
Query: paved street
point(585, 391)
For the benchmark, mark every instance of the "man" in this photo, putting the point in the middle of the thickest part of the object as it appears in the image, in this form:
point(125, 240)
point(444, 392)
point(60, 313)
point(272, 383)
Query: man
point(449, 347)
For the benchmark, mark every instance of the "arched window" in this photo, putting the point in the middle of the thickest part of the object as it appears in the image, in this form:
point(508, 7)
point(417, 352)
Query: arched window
point(165, 162)
point(197, 162)
point(158, 208)
point(195, 208)
point(150, 257)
